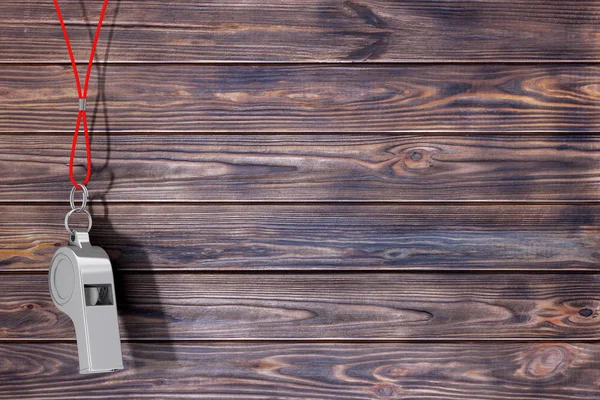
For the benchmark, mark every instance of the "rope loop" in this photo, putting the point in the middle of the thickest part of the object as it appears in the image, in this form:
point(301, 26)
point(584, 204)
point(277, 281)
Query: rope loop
point(82, 95)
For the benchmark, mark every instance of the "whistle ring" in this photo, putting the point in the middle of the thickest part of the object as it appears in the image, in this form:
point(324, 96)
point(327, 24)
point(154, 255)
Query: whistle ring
point(77, 210)
point(84, 198)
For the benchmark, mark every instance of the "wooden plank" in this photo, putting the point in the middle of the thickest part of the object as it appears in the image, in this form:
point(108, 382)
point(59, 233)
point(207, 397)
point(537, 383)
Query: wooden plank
point(314, 237)
point(388, 306)
point(307, 98)
point(444, 371)
point(306, 30)
point(198, 168)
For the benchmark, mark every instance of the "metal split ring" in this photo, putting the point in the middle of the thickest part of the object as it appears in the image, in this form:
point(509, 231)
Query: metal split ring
point(84, 199)
point(77, 210)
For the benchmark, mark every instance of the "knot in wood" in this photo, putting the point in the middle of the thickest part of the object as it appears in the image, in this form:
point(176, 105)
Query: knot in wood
point(416, 159)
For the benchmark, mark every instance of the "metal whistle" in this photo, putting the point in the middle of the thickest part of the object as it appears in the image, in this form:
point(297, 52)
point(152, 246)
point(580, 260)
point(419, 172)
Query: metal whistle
point(82, 286)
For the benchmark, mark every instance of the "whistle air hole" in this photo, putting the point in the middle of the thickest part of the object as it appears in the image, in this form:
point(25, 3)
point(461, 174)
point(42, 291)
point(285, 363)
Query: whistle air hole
point(98, 295)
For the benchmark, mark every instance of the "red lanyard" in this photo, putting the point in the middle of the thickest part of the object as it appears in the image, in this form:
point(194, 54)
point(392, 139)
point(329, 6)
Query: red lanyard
point(81, 116)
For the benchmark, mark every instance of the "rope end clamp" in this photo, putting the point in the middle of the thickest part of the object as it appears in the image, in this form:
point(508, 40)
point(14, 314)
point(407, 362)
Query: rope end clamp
point(82, 104)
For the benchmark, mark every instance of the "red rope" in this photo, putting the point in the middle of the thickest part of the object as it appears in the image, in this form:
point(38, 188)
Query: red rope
point(82, 115)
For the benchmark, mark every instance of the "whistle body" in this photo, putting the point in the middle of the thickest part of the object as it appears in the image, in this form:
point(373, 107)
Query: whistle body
point(82, 286)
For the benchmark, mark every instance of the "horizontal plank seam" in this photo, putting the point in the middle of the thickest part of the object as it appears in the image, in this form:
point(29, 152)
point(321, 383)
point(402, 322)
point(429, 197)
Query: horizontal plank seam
point(412, 62)
point(320, 340)
point(391, 134)
point(457, 203)
point(329, 271)
point(218, 132)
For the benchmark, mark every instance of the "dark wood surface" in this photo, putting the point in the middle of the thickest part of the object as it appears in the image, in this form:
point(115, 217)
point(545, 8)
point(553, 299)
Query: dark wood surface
point(319, 199)
point(334, 237)
point(307, 98)
point(333, 371)
point(324, 306)
point(200, 168)
point(306, 30)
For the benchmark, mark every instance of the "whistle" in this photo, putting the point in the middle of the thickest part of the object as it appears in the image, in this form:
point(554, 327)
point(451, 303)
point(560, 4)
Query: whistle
point(82, 286)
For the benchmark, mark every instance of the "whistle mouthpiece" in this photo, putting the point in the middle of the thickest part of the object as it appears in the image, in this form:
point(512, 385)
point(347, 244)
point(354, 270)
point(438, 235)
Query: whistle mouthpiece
point(82, 286)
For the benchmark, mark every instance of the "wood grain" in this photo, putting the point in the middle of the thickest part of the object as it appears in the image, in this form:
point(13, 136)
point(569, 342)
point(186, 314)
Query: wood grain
point(306, 30)
point(199, 168)
point(409, 306)
point(384, 371)
point(314, 237)
point(307, 98)
point(240, 268)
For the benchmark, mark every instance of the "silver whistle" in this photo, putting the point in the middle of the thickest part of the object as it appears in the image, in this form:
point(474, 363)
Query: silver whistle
point(82, 286)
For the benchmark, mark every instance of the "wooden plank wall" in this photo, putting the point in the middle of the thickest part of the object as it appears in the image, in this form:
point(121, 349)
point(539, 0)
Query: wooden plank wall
point(315, 199)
